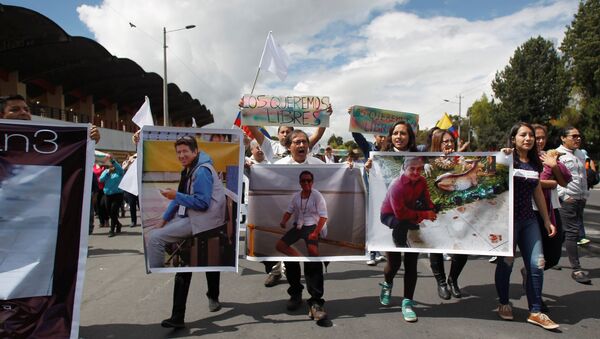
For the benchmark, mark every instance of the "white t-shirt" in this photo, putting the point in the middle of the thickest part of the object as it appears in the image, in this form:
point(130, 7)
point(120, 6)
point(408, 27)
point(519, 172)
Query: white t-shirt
point(307, 211)
point(277, 149)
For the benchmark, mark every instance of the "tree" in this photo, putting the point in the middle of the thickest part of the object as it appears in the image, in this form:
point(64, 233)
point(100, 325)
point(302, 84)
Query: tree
point(533, 87)
point(334, 141)
point(490, 126)
point(581, 48)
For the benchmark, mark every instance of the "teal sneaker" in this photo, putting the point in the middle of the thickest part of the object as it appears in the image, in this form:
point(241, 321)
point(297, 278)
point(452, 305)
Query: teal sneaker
point(386, 293)
point(407, 310)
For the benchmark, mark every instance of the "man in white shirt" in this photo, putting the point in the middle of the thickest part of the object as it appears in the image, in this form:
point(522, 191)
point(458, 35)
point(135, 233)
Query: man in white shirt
point(309, 210)
point(298, 144)
point(573, 198)
point(329, 158)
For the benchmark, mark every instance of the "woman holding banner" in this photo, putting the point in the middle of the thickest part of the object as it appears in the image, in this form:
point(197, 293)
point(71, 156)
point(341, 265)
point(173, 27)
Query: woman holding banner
point(444, 141)
point(526, 234)
point(401, 139)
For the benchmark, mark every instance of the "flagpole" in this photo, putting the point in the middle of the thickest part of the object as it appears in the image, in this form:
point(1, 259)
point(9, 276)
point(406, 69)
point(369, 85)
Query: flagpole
point(260, 62)
point(255, 79)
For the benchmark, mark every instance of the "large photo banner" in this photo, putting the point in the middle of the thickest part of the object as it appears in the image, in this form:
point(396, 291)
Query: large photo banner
point(369, 120)
point(306, 213)
point(45, 186)
point(190, 188)
point(428, 202)
point(297, 111)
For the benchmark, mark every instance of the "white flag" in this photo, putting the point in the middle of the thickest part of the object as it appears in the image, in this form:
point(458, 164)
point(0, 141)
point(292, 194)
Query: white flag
point(274, 59)
point(194, 122)
point(143, 117)
point(129, 182)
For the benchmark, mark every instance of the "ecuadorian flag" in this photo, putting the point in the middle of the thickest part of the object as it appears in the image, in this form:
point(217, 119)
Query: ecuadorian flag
point(446, 123)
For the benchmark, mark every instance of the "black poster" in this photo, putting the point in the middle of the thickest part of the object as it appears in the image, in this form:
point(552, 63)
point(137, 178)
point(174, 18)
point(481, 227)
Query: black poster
point(45, 183)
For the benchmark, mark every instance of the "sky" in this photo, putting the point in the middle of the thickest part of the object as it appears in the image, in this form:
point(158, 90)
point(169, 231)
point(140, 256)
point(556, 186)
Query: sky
point(403, 55)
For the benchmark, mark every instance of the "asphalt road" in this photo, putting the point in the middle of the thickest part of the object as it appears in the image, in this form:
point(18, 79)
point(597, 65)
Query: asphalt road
point(121, 301)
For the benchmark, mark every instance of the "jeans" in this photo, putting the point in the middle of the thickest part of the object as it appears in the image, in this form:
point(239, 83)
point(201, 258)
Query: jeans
point(571, 215)
point(527, 236)
point(313, 274)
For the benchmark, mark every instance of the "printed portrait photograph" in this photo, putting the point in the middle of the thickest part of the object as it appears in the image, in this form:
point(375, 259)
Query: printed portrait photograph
point(190, 184)
point(306, 213)
point(436, 203)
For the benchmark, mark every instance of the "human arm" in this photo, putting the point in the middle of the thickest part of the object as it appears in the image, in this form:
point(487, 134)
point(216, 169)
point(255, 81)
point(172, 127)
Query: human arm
point(104, 175)
point(202, 187)
point(320, 224)
point(540, 202)
point(548, 184)
point(286, 217)
point(95, 133)
point(118, 169)
point(463, 147)
point(257, 134)
point(135, 138)
point(362, 143)
point(551, 160)
point(314, 139)
point(169, 213)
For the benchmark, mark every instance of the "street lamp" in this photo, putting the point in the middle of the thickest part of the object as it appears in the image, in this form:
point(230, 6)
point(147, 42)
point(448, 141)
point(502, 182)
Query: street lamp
point(165, 93)
point(459, 111)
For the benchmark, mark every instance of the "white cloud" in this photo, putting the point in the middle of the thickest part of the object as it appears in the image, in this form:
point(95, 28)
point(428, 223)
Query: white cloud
point(396, 60)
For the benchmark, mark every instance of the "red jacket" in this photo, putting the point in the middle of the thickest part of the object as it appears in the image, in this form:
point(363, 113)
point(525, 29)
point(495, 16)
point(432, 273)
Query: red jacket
point(401, 199)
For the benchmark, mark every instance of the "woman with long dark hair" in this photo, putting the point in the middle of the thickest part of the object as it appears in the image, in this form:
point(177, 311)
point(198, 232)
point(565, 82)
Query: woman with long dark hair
point(401, 139)
point(527, 168)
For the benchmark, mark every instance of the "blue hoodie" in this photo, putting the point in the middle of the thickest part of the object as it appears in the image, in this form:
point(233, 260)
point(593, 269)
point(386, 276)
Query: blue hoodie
point(202, 186)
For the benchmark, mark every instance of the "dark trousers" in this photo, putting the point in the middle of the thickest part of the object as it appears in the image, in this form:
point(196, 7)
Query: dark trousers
point(113, 204)
point(436, 260)
point(313, 274)
point(133, 202)
point(182, 287)
point(552, 246)
point(100, 208)
point(394, 260)
point(571, 215)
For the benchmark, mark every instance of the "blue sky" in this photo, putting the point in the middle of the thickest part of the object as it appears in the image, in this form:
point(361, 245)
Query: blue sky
point(399, 55)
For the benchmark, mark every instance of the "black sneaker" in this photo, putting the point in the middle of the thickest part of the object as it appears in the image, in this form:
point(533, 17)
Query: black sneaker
point(111, 234)
point(173, 322)
point(213, 305)
point(294, 303)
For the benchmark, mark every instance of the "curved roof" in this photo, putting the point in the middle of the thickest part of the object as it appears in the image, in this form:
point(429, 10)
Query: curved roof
point(46, 56)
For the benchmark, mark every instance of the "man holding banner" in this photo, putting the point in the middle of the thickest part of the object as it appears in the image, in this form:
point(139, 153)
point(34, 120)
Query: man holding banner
point(298, 144)
point(197, 208)
point(43, 248)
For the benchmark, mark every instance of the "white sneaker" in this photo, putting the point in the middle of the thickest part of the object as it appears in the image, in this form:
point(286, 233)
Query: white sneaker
point(381, 258)
point(371, 262)
point(493, 259)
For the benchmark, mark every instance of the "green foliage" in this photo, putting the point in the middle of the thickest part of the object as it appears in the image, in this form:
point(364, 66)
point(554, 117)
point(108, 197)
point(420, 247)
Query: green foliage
point(533, 87)
point(490, 125)
point(581, 48)
point(335, 142)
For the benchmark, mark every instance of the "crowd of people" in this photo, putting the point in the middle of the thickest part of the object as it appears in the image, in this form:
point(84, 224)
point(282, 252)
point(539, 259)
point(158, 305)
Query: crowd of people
point(549, 197)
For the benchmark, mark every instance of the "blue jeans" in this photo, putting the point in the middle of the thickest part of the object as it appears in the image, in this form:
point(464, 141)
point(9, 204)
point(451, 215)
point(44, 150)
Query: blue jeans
point(527, 236)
